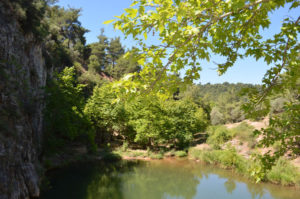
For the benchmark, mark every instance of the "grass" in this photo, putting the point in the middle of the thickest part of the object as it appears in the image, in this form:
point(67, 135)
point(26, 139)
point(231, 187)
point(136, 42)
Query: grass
point(218, 135)
point(130, 153)
point(180, 154)
point(228, 158)
point(283, 172)
point(148, 153)
point(156, 156)
point(244, 132)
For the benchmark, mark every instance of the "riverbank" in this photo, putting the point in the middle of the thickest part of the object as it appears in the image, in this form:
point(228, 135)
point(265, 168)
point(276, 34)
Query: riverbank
point(283, 173)
point(229, 147)
point(174, 177)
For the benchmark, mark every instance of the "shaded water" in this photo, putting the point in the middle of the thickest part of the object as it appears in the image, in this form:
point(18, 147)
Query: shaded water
point(167, 179)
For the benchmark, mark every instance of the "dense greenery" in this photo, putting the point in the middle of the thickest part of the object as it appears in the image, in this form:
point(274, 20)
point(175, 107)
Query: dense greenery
point(191, 31)
point(147, 120)
point(65, 120)
point(102, 91)
point(219, 135)
point(281, 173)
point(222, 101)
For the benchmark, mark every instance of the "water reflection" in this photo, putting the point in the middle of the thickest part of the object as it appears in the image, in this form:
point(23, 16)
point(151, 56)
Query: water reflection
point(166, 179)
point(230, 186)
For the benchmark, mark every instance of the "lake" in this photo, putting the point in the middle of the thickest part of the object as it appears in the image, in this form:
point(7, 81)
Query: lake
point(157, 179)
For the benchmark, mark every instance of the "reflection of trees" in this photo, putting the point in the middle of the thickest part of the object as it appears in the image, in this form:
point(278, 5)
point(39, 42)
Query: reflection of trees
point(107, 180)
point(230, 186)
point(256, 190)
point(151, 180)
point(158, 180)
point(155, 179)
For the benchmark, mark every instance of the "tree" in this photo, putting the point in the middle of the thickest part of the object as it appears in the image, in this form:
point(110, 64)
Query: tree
point(115, 50)
point(146, 120)
point(192, 30)
point(64, 117)
point(99, 50)
point(65, 42)
point(124, 66)
point(216, 117)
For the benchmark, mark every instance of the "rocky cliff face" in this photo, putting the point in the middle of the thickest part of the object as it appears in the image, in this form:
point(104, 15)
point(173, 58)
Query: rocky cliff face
point(22, 78)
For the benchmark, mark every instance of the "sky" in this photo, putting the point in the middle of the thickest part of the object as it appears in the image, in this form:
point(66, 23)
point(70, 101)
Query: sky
point(95, 12)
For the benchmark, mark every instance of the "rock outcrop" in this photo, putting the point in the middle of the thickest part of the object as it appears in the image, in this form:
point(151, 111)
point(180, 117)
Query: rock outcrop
point(22, 78)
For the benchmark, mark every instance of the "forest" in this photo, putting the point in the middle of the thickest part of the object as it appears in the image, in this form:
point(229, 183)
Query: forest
point(109, 98)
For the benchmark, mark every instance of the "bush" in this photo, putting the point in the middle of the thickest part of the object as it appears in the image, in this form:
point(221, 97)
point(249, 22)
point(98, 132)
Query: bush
point(244, 132)
point(218, 135)
point(156, 156)
point(125, 146)
point(284, 173)
point(195, 153)
point(64, 117)
point(216, 117)
point(180, 154)
point(228, 158)
point(231, 159)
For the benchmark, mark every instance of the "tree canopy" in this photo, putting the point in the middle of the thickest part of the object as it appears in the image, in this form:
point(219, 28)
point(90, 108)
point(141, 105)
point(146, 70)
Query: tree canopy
point(192, 30)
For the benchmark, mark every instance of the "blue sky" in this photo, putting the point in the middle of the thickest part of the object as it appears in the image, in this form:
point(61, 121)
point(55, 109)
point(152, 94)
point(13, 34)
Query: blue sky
point(95, 12)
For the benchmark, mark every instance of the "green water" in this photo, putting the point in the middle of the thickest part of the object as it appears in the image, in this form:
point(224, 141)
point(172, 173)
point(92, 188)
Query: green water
point(167, 179)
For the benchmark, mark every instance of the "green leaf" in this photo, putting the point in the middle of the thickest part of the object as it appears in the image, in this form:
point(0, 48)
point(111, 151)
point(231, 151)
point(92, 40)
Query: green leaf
point(108, 21)
point(131, 12)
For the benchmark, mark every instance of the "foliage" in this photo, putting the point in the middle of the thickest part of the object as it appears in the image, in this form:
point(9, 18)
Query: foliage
point(194, 35)
point(216, 117)
point(169, 121)
point(123, 66)
point(283, 172)
point(180, 154)
point(147, 120)
point(65, 120)
point(65, 42)
point(156, 156)
point(191, 31)
point(125, 146)
point(106, 114)
point(227, 158)
point(283, 128)
point(218, 135)
point(30, 15)
point(244, 132)
point(222, 101)
point(107, 56)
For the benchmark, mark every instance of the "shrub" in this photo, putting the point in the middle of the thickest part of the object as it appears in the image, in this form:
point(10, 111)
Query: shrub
point(180, 154)
point(195, 153)
point(125, 146)
point(156, 156)
point(138, 154)
point(227, 158)
point(64, 117)
point(218, 135)
point(243, 131)
point(231, 159)
point(284, 173)
point(216, 117)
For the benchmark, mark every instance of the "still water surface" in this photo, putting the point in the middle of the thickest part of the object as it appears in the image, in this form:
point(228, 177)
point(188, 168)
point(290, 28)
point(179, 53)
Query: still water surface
point(162, 179)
